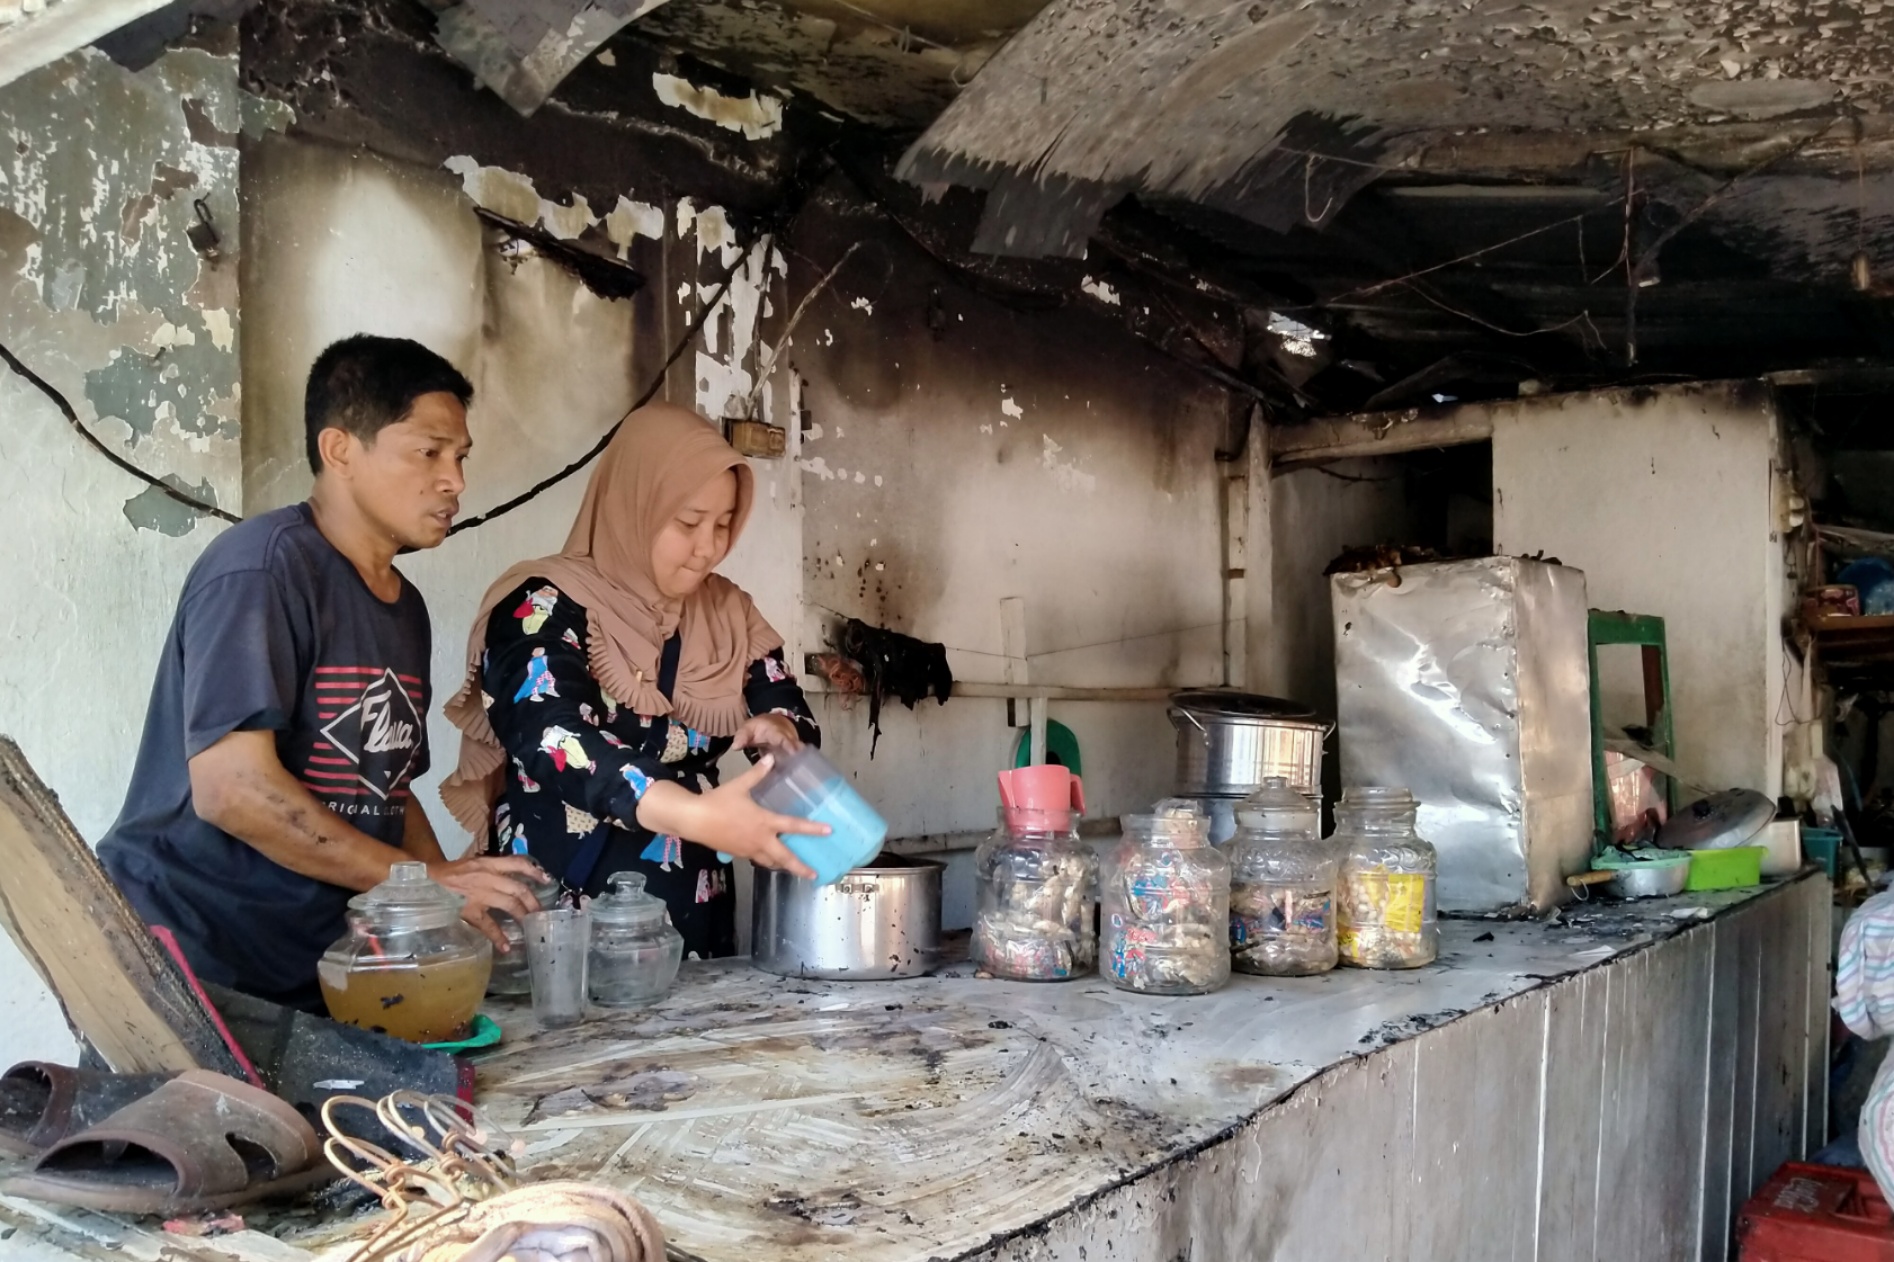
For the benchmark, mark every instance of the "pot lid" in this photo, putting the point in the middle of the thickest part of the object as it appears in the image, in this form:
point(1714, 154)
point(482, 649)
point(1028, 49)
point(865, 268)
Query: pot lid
point(1226, 703)
point(626, 905)
point(1279, 810)
point(1718, 822)
point(407, 896)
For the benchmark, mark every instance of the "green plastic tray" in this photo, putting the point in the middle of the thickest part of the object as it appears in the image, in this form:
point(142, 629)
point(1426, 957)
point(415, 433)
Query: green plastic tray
point(1732, 869)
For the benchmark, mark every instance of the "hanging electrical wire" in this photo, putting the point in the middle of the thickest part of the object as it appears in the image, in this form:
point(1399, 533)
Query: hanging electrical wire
point(46, 388)
point(704, 311)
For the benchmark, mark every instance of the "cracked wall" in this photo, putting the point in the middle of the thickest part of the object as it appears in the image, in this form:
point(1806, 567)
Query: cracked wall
point(102, 294)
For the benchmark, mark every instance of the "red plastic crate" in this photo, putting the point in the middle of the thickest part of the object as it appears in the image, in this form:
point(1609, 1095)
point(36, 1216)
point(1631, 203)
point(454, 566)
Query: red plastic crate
point(1810, 1213)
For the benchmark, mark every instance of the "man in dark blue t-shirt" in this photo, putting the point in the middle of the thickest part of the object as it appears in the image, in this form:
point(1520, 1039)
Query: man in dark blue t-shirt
point(289, 715)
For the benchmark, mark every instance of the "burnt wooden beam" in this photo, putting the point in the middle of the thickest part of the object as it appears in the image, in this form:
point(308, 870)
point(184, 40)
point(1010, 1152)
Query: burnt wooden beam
point(1377, 434)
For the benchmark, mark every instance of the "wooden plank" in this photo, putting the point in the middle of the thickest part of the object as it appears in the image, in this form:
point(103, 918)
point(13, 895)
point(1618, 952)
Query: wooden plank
point(1478, 1083)
point(1013, 638)
point(120, 994)
point(1377, 434)
point(1678, 1004)
point(1781, 1036)
point(815, 685)
point(1819, 899)
point(1748, 942)
point(1719, 1073)
point(1650, 1126)
point(1569, 1158)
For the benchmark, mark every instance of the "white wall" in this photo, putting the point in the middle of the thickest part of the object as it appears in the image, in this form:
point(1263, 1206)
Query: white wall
point(1665, 498)
point(101, 296)
point(1008, 454)
point(1314, 515)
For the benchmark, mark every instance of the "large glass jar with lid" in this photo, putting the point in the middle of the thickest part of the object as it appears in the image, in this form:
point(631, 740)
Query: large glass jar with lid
point(1164, 917)
point(1035, 882)
point(1386, 906)
point(635, 950)
point(510, 974)
point(1282, 885)
point(409, 966)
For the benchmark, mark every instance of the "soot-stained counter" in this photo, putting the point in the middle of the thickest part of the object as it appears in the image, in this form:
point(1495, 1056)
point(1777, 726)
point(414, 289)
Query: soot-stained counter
point(1464, 1105)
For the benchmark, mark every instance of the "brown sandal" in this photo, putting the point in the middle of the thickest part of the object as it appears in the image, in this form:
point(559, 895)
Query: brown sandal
point(200, 1141)
point(42, 1103)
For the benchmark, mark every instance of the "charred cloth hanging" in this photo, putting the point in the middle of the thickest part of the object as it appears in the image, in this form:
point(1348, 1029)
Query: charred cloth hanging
point(895, 665)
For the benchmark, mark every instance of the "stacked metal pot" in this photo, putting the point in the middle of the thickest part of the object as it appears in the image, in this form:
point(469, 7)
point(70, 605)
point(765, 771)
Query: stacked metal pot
point(1230, 743)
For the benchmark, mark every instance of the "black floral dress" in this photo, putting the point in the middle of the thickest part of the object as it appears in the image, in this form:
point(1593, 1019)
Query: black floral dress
point(580, 762)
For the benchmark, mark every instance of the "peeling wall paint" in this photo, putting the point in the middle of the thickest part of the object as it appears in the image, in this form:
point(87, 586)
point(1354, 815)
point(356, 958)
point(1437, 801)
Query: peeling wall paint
point(754, 117)
point(102, 295)
point(107, 229)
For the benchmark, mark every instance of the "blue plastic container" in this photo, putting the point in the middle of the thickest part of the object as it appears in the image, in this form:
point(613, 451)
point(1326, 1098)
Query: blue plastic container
point(805, 784)
point(1821, 845)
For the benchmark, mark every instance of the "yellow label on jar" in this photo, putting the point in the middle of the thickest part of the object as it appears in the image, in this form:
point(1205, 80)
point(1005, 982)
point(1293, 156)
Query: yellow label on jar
point(1406, 908)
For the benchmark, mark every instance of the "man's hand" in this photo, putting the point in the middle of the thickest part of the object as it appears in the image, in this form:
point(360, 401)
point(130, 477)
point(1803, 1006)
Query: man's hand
point(768, 731)
point(491, 883)
point(728, 819)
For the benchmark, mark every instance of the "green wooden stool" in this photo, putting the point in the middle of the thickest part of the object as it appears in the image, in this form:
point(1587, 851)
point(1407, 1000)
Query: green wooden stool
point(1647, 633)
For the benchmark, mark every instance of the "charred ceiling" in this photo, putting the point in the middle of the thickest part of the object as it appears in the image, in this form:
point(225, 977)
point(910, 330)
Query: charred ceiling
point(1326, 207)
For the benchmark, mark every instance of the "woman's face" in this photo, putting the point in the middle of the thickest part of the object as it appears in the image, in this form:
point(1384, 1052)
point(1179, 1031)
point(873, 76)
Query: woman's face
point(695, 540)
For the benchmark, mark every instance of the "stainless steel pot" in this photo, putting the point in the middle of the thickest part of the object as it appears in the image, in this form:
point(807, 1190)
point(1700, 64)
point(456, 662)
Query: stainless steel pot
point(880, 921)
point(1228, 743)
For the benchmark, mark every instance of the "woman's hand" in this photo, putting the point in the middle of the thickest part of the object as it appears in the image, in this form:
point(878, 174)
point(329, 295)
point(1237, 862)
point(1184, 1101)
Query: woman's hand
point(768, 731)
point(728, 819)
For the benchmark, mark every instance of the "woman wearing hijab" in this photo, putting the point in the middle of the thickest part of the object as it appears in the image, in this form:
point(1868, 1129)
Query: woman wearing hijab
point(605, 682)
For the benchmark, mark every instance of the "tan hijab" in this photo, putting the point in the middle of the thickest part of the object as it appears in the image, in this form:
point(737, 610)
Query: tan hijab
point(660, 457)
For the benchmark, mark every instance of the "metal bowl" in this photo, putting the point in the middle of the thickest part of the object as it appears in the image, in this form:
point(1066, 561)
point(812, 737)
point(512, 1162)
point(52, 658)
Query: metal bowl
point(1647, 874)
point(1655, 880)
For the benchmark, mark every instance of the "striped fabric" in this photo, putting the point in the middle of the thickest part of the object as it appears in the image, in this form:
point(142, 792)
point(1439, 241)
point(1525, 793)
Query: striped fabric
point(1864, 999)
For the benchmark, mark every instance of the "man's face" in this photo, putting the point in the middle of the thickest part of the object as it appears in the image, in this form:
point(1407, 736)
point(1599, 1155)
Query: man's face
point(408, 480)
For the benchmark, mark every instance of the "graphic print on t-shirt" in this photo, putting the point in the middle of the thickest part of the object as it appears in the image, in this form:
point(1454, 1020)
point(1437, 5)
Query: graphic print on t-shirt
point(370, 718)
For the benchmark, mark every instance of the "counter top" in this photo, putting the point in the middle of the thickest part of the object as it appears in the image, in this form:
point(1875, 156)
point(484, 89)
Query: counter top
point(934, 1117)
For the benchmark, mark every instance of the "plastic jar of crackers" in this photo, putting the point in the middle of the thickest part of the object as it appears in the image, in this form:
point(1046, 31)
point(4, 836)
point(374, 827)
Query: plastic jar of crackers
point(1164, 921)
point(1282, 885)
point(1036, 885)
point(1386, 906)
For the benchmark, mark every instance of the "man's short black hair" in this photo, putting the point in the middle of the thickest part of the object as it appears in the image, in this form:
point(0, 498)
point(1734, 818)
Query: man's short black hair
point(363, 383)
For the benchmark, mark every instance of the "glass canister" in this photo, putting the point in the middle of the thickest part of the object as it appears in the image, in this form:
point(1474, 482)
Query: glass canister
point(1385, 912)
point(1035, 882)
point(510, 974)
point(408, 966)
point(1164, 924)
point(1282, 885)
point(635, 950)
